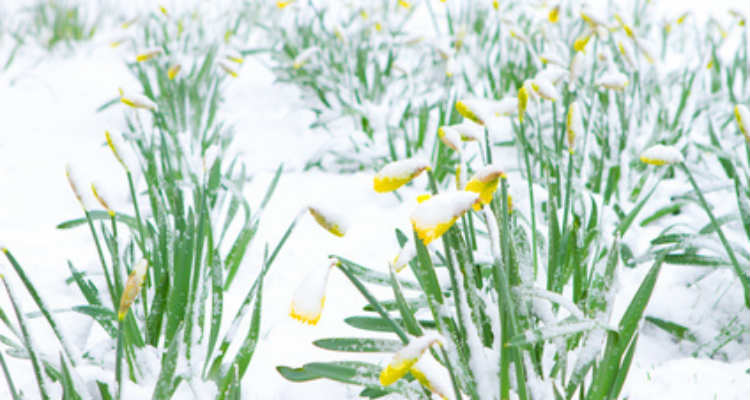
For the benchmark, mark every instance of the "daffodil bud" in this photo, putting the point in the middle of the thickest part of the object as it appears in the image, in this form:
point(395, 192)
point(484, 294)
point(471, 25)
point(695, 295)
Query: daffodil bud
point(469, 131)
point(101, 197)
point(148, 54)
point(228, 68)
point(484, 183)
point(404, 4)
point(523, 101)
point(627, 53)
point(661, 155)
point(552, 74)
point(576, 69)
point(73, 182)
point(550, 57)
point(127, 24)
point(398, 173)
point(405, 358)
point(173, 70)
point(574, 126)
point(233, 56)
point(545, 89)
point(470, 109)
point(450, 137)
point(742, 115)
point(303, 57)
point(504, 107)
point(282, 4)
point(645, 49)
point(592, 17)
point(136, 100)
point(554, 14)
point(115, 145)
point(132, 288)
point(517, 34)
point(329, 220)
point(581, 42)
point(310, 296)
point(433, 217)
point(614, 80)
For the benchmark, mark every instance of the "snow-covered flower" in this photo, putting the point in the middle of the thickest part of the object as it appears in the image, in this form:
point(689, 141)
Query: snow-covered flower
point(553, 73)
point(310, 296)
point(329, 220)
point(517, 34)
point(398, 173)
point(469, 131)
point(407, 253)
point(574, 127)
point(470, 109)
point(742, 115)
point(661, 155)
point(645, 49)
point(550, 57)
point(73, 181)
point(228, 68)
point(303, 57)
point(627, 53)
point(450, 137)
point(136, 100)
point(173, 70)
point(581, 42)
point(233, 56)
point(433, 217)
point(554, 14)
point(545, 89)
point(101, 197)
point(405, 358)
point(614, 80)
point(132, 287)
point(148, 54)
point(484, 183)
point(737, 13)
point(576, 69)
point(282, 4)
point(592, 17)
point(523, 101)
point(432, 375)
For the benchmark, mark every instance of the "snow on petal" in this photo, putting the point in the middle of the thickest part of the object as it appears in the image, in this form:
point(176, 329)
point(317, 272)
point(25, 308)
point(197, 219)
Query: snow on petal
point(405, 358)
point(484, 183)
point(148, 54)
point(614, 80)
point(407, 253)
point(304, 57)
point(576, 69)
point(450, 137)
point(553, 74)
point(523, 101)
point(661, 155)
point(136, 100)
point(310, 296)
point(432, 375)
point(398, 173)
point(545, 89)
point(329, 220)
point(432, 218)
point(469, 131)
point(470, 109)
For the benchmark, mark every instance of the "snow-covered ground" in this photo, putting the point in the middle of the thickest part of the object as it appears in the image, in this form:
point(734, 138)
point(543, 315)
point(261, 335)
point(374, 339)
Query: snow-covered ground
point(48, 116)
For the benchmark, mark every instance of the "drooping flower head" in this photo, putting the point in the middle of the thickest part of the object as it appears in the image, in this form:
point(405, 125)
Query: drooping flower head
point(398, 173)
point(614, 80)
point(310, 296)
point(148, 54)
point(405, 358)
point(484, 183)
point(574, 127)
point(136, 100)
point(742, 116)
point(329, 220)
point(433, 217)
point(450, 137)
point(661, 155)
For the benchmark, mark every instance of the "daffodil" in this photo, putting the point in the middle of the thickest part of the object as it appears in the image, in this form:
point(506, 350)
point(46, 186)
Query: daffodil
point(148, 54)
point(627, 53)
point(97, 190)
point(661, 155)
point(132, 288)
point(173, 70)
point(405, 358)
point(576, 69)
point(303, 57)
point(592, 17)
point(404, 4)
point(742, 116)
point(574, 126)
point(470, 109)
point(282, 4)
point(115, 145)
point(73, 181)
point(310, 296)
point(450, 137)
point(517, 34)
point(469, 131)
point(233, 56)
point(484, 183)
point(433, 217)
point(581, 42)
point(329, 220)
point(398, 173)
point(523, 101)
point(614, 80)
point(554, 14)
point(553, 74)
point(228, 68)
point(545, 89)
point(136, 100)
point(551, 57)
point(407, 253)
point(432, 375)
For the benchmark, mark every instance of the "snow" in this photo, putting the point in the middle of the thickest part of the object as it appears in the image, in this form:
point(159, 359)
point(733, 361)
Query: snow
point(661, 154)
point(49, 120)
point(614, 80)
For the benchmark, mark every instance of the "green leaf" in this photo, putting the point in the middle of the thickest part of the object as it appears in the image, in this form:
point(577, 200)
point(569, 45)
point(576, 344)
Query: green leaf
point(99, 215)
point(378, 324)
point(164, 383)
point(353, 372)
point(359, 345)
